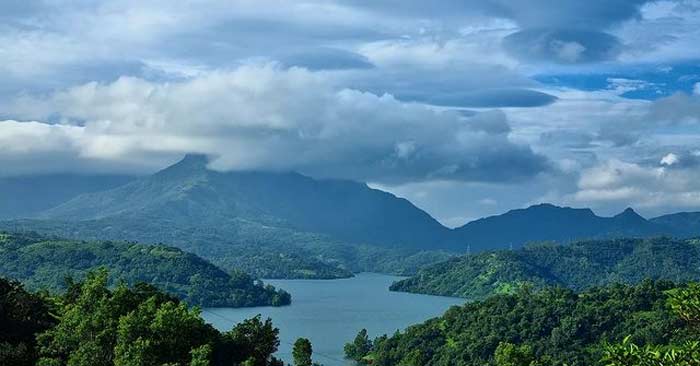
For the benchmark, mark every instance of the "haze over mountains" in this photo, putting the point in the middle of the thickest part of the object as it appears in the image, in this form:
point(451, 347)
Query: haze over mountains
point(188, 196)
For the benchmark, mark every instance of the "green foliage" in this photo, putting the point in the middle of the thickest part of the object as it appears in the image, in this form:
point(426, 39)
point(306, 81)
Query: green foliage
point(630, 354)
point(683, 302)
point(124, 326)
point(360, 347)
point(22, 316)
point(44, 262)
point(686, 303)
point(302, 352)
point(577, 266)
point(252, 342)
point(508, 354)
point(261, 251)
point(549, 327)
point(140, 326)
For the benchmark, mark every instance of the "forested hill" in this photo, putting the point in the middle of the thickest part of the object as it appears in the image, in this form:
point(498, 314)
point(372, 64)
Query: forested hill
point(189, 193)
point(652, 323)
point(577, 266)
point(44, 263)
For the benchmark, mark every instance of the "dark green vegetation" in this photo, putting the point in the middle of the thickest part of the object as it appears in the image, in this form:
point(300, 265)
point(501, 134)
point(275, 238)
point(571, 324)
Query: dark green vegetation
point(22, 316)
point(93, 325)
point(44, 263)
point(576, 266)
point(554, 327)
point(302, 352)
point(30, 195)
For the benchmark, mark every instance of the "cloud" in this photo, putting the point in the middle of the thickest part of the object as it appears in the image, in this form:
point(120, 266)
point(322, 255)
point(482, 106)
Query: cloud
point(567, 46)
point(669, 159)
point(679, 108)
point(653, 188)
point(269, 118)
point(327, 59)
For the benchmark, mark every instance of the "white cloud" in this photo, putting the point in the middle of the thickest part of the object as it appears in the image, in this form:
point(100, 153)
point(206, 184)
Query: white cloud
point(264, 117)
point(653, 188)
point(669, 159)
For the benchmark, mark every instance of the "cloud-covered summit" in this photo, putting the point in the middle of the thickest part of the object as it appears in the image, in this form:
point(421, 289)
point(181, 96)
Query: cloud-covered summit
point(448, 103)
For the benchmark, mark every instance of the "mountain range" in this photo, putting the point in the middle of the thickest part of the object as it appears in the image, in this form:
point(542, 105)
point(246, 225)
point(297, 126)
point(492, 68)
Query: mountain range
point(321, 228)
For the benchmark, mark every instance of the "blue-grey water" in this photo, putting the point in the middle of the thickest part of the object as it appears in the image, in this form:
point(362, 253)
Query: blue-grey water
point(331, 312)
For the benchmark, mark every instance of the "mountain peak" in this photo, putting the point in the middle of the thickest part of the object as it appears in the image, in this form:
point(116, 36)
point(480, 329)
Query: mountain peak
point(190, 164)
point(194, 160)
point(629, 214)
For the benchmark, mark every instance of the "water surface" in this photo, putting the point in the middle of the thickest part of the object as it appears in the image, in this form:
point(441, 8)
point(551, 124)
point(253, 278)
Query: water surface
point(331, 312)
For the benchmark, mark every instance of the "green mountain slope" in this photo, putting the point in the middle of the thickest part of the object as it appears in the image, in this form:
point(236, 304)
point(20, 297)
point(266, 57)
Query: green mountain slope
point(272, 225)
point(577, 266)
point(44, 262)
point(552, 327)
point(682, 223)
point(190, 194)
point(29, 195)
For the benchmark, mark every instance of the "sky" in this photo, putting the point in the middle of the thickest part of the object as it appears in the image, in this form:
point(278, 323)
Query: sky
point(466, 108)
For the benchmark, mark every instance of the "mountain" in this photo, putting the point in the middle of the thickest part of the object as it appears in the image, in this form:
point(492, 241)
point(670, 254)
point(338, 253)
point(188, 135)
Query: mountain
point(42, 262)
point(29, 195)
point(546, 222)
point(577, 266)
point(272, 225)
point(190, 193)
point(287, 225)
point(682, 223)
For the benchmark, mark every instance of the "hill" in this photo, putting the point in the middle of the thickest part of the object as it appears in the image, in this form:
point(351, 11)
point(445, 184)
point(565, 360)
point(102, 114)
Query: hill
point(272, 225)
point(682, 223)
point(190, 194)
point(577, 266)
point(29, 195)
point(42, 262)
point(552, 327)
point(546, 222)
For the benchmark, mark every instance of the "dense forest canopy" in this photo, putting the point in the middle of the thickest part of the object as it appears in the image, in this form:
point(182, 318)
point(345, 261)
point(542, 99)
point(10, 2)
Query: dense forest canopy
point(42, 262)
point(576, 266)
point(93, 324)
point(552, 327)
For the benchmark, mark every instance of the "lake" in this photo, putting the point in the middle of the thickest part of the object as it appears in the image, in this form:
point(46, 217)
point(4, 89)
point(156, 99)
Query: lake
point(331, 312)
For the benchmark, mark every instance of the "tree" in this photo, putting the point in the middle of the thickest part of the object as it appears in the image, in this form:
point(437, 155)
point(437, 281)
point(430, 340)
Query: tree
point(253, 342)
point(685, 303)
point(360, 347)
point(508, 354)
point(302, 352)
point(22, 316)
